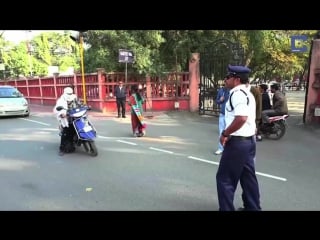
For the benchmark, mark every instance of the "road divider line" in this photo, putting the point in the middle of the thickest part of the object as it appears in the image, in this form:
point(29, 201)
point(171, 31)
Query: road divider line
point(130, 143)
point(271, 176)
point(258, 173)
point(45, 124)
point(203, 160)
point(113, 138)
point(170, 152)
point(160, 150)
point(99, 136)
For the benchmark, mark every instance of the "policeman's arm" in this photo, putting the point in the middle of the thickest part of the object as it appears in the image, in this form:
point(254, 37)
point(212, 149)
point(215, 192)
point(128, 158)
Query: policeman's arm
point(236, 124)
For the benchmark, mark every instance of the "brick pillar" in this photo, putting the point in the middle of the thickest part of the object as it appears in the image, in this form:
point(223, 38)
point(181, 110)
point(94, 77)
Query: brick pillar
point(41, 90)
point(102, 88)
point(148, 92)
point(314, 80)
point(194, 80)
point(55, 86)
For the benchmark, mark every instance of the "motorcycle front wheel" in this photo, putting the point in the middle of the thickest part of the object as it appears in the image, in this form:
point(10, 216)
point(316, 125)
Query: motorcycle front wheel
point(90, 148)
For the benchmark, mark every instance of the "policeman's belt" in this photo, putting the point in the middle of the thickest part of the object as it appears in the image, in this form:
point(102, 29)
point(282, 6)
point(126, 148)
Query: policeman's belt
point(239, 138)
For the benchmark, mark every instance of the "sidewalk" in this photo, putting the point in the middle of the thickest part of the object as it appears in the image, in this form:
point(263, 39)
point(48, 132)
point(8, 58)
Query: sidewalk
point(295, 105)
point(45, 109)
point(152, 116)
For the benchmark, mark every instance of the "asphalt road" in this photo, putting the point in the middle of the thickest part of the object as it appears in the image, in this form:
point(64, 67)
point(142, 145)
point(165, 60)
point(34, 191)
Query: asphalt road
point(172, 168)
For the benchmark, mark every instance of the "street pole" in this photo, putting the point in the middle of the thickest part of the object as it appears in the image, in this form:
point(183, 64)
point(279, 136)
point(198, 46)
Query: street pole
point(82, 69)
point(29, 52)
point(126, 73)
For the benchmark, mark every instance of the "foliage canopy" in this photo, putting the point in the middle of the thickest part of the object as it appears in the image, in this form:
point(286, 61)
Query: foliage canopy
point(267, 52)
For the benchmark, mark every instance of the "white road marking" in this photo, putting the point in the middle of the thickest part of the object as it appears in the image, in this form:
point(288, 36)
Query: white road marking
point(271, 176)
point(131, 143)
point(160, 150)
point(45, 124)
point(258, 173)
point(113, 138)
point(203, 160)
point(170, 152)
point(99, 136)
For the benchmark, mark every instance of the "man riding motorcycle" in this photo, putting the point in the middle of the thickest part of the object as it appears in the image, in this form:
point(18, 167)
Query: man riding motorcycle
point(67, 100)
point(279, 104)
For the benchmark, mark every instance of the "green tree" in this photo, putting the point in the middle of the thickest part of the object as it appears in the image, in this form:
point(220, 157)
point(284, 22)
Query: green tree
point(267, 52)
point(105, 45)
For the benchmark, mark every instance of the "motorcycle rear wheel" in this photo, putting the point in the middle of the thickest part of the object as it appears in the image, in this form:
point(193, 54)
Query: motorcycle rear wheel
point(277, 132)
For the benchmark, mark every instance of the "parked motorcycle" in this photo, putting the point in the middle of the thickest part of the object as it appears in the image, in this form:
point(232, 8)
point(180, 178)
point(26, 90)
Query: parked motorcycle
point(84, 129)
point(276, 128)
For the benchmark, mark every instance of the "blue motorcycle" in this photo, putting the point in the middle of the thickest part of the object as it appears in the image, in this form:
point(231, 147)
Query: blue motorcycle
point(84, 129)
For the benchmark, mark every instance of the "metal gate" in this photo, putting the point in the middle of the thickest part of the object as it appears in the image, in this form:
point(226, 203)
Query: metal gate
point(213, 68)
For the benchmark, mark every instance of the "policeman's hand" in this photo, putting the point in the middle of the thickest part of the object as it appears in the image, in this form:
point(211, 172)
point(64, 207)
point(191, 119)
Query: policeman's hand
point(223, 140)
point(221, 98)
point(63, 115)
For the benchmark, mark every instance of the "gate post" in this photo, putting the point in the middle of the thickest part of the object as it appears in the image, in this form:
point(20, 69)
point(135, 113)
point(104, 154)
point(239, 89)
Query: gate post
point(313, 87)
point(194, 80)
point(101, 88)
point(148, 93)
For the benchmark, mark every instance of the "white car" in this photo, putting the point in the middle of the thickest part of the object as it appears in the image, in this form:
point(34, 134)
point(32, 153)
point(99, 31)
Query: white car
point(12, 102)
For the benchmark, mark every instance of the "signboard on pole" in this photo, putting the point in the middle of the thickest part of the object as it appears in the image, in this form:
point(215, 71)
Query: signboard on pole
point(2, 68)
point(298, 43)
point(126, 56)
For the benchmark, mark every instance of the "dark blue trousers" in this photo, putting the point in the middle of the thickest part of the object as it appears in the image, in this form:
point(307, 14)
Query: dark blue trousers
point(237, 164)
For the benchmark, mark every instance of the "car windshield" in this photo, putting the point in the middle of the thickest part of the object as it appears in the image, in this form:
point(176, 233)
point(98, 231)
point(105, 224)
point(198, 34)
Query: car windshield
point(10, 93)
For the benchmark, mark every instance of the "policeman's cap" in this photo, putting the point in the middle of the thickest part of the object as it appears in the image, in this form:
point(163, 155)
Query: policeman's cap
point(238, 70)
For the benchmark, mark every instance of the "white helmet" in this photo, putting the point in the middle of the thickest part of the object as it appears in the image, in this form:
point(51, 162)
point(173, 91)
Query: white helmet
point(68, 94)
point(68, 90)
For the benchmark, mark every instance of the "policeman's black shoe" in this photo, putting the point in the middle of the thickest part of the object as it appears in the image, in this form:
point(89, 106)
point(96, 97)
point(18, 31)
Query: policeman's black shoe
point(123, 116)
point(241, 209)
point(119, 116)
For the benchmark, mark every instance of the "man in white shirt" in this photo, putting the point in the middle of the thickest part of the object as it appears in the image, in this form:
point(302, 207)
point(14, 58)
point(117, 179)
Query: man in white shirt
point(67, 100)
point(237, 162)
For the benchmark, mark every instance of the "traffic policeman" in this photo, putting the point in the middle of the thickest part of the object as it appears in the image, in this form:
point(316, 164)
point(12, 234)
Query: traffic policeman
point(237, 161)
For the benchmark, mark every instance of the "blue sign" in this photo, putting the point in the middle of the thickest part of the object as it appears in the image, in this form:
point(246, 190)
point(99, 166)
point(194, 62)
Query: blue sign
point(299, 39)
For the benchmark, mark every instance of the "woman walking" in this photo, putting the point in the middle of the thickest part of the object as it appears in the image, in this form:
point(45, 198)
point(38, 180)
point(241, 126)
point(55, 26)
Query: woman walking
point(137, 122)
